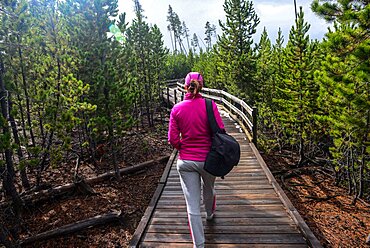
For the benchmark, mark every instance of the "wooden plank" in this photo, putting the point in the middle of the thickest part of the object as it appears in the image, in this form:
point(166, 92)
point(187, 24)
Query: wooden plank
point(231, 191)
point(225, 229)
point(189, 245)
point(246, 176)
point(237, 171)
point(225, 221)
point(164, 213)
point(235, 183)
point(226, 208)
point(235, 202)
point(245, 198)
point(230, 180)
point(219, 186)
point(230, 238)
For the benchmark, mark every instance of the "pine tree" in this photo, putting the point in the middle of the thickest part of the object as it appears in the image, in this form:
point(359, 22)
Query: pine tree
point(147, 61)
point(277, 76)
point(186, 34)
point(264, 68)
point(298, 90)
point(237, 62)
point(176, 27)
point(210, 31)
point(195, 42)
point(264, 80)
point(15, 29)
point(345, 90)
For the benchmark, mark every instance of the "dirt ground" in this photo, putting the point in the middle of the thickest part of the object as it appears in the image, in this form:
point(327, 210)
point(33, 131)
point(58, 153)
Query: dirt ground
point(326, 208)
point(131, 195)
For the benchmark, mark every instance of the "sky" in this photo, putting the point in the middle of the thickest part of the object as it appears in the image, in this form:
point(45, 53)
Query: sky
point(195, 14)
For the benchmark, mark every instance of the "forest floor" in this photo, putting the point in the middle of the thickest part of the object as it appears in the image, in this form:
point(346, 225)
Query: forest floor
point(327, 209)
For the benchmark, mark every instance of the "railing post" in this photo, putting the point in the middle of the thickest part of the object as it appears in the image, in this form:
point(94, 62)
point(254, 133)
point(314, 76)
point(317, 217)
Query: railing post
point(168, 96)
point(175, 95)
point(182, 96)
point(254, 128)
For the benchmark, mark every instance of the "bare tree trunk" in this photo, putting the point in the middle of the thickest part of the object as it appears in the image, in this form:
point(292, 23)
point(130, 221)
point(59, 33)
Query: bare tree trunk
point(363, 154)
point(42, 163)
point(92, 143)
point(349, 176)
point(7, 173)
point(22, 169)
point(41, 126)
point(22, 117)
point(141, 109)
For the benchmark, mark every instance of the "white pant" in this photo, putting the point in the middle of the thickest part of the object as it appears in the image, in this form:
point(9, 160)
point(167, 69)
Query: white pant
point(191, 173)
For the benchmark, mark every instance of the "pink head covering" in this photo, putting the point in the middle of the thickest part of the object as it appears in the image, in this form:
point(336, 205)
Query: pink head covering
point(193, 76)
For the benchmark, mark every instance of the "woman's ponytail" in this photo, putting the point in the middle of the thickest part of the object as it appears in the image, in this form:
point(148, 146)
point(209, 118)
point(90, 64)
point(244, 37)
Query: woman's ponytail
point(194, 87)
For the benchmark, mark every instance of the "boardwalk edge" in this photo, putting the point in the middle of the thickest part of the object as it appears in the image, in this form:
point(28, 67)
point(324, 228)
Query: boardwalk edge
point(153, 203)
point(294, 214)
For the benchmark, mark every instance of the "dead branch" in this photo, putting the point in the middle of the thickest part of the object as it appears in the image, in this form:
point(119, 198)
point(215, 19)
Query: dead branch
point(59, 190)
point(296, 172)
point(320, 199)
point(74, 227)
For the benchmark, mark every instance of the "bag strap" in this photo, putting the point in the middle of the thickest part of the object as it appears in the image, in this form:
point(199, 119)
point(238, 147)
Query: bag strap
point(211, 116)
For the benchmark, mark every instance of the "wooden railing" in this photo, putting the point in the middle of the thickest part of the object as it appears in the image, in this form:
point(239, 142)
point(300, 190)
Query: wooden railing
point(245, 115)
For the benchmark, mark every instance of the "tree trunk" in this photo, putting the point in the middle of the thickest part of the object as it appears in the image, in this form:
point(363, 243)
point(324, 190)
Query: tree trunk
point(7, 173)
point(28, 108)
point(42, 163)
point(22, 118)
point(75, 227)
point(349, 177)
point(22, 169)
point(41, 126)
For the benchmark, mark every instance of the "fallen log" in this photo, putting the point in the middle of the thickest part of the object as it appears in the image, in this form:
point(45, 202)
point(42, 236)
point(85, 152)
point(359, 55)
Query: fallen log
point(74, 227)
point(59, 190)
point(127, 170)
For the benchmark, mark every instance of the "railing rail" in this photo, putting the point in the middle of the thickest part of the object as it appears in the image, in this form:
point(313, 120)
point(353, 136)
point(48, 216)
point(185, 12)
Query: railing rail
point(246, 115)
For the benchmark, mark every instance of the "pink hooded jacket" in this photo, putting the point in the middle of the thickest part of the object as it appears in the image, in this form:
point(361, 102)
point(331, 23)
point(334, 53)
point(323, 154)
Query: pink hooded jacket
point(189, 130)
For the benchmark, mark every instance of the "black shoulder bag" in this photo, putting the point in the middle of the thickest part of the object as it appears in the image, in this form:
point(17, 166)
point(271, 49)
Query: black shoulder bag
point(225, 150)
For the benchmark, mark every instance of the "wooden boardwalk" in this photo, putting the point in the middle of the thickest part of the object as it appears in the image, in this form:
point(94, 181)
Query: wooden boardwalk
point(252, 210)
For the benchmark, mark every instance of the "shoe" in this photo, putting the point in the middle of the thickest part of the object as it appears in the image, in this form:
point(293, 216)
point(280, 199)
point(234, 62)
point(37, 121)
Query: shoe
point(210, 217)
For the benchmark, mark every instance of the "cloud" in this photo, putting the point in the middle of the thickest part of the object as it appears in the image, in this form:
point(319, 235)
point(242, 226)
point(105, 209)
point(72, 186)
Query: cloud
point(195, 14)
point(278, 15)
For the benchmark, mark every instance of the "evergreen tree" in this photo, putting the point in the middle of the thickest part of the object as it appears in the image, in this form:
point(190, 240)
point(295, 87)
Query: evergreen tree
point(210, 32)
point(195, 42)
point(237, 62)
point(277, 76)
point(177, 66)
point(147, 61)
point(264, 69)
point(186, 34)
point(7, 171)
point(298, 102)
point(345, 90)
point(15, 28)
point(264, 80)
point(176, 27)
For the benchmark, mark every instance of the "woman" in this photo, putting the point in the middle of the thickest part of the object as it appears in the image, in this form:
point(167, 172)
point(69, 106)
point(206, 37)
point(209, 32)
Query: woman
point(190, 133)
